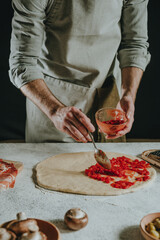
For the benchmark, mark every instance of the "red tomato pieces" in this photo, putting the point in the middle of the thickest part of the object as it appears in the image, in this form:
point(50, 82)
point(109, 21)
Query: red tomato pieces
point(114, 122)
point(122, 184)
point(123, 168)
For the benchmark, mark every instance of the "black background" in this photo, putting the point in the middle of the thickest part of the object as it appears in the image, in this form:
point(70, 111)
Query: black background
point(147, 114)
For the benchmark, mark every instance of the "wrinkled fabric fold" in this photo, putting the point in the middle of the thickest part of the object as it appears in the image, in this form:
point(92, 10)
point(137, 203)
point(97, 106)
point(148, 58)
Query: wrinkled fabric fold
point(76, 44)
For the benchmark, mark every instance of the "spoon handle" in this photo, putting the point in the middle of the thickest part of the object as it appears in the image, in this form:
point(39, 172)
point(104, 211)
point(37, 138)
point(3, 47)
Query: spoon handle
point(91, 136)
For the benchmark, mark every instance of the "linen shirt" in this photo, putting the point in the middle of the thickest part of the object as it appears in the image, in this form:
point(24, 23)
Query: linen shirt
point(76, 46)
point(75, 40)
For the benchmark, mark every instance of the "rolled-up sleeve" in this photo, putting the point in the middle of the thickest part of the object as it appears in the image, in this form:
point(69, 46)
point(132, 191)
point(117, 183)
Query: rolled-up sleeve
point(134, 45)
point(26, 40)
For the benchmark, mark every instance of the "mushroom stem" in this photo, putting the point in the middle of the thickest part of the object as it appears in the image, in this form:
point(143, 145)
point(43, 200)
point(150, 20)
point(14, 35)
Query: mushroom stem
point(32, 236)
point(21, 216)
point(23, 224)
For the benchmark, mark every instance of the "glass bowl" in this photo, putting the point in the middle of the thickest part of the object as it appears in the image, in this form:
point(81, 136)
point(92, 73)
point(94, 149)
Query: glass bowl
point(111, 120)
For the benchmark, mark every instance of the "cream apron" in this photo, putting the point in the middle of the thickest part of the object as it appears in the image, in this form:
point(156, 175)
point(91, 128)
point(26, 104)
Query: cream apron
point(83, 36)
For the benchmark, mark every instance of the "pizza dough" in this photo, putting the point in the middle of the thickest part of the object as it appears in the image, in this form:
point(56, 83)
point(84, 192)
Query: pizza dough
point(65, 173)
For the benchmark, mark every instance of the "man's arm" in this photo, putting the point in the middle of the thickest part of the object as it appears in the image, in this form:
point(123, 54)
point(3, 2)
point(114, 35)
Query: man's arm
point(66, 119)
point(26, 40)
point(133, 55)
point(27, 37)
point(131, 77)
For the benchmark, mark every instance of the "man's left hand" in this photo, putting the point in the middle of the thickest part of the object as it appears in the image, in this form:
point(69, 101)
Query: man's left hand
point(126, 104)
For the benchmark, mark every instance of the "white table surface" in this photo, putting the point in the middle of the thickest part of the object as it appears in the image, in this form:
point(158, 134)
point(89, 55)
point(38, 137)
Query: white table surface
point(110, 217)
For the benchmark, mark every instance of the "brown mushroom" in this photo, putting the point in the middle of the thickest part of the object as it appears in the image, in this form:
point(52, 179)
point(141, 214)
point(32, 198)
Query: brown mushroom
point(76, 218)
point(22, 225)
point(6, 234)
point(33, 236)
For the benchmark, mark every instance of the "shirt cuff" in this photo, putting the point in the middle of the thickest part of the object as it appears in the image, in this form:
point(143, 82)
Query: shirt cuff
point(22, 75)
point(132, 58)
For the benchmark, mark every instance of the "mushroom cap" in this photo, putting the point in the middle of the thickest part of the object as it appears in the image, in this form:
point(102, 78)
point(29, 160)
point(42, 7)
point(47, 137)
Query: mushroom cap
point(20, 227)
point(33, 236)
point(76, 218)
point(6, 234)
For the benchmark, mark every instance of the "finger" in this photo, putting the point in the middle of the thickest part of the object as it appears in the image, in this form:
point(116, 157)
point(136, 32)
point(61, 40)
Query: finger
point(74, 121)
point(127, 105)
point(83, 119)
point(129, 110)
point(115, 136)
point(66, 130)
point(128, 125)
point(126, 129)
point(75, 132)
point(129, 114)
point(122, 132)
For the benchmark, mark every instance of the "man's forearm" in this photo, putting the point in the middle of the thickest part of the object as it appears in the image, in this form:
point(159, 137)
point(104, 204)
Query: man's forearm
point(68, 119)
point(38, 92)
point(131, 77)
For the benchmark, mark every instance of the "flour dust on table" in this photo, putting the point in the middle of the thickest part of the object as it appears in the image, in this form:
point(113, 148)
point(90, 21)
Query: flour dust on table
point(78, 173)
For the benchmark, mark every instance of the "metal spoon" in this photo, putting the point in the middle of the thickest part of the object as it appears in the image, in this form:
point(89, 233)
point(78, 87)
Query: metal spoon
point(100, 156)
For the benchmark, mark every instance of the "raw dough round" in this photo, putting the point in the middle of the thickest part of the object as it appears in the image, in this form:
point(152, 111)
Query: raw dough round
point(65, 173)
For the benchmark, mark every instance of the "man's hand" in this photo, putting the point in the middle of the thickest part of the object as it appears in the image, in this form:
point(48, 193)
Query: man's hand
point(126, 104)
point(70, 120)
point(131, 77)
point(74, 122)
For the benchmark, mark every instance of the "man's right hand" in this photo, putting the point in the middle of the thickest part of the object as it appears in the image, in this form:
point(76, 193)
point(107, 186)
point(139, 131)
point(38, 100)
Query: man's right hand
point(70, 120)
point(74, 122)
